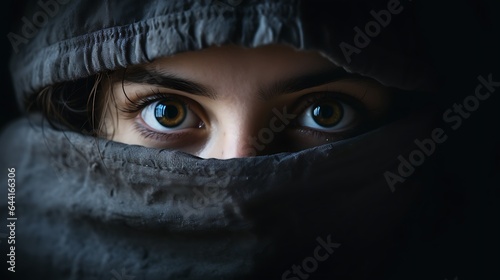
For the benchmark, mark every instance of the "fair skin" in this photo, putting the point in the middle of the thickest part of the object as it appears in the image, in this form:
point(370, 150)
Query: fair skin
point(230, 102)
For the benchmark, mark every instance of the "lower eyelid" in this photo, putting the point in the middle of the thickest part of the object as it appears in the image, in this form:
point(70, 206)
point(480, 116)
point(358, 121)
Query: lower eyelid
point(172, 140)
point(148, 133)
point(309, 99)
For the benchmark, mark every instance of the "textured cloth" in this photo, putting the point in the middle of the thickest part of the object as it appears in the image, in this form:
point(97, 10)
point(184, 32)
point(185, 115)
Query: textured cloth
point(92, 208)
point(85, 37)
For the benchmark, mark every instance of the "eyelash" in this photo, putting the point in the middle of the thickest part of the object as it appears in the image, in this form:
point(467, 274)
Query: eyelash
point(158, 136)
point(311, 98)
point(132, 106)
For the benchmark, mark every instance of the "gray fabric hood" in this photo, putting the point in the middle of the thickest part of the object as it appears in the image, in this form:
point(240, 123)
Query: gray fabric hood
point(96, 209)
point(82, 38)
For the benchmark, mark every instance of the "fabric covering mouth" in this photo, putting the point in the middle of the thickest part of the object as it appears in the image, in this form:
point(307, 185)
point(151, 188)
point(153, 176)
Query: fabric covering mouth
point(113, 197)
point(177, 191)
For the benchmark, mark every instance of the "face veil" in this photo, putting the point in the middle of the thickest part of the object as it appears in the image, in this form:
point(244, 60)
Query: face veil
point(186, 215)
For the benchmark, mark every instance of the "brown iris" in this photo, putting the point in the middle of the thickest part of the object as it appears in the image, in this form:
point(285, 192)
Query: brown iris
point(170, 112)
point(327, 113)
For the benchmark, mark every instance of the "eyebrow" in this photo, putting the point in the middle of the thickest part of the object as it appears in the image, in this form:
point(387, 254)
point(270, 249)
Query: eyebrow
point(167, 80)
point(302, 82)
point(164, 79)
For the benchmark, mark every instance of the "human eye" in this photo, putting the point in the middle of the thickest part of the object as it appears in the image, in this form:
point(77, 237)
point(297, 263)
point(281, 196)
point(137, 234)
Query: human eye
point(330, 116)
point(166, 117)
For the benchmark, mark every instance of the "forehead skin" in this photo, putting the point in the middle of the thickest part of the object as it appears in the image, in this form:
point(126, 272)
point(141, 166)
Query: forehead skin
point(241, 69)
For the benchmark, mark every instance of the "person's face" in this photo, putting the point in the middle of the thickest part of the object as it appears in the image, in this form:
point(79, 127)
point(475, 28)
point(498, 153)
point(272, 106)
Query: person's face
point(227, 102)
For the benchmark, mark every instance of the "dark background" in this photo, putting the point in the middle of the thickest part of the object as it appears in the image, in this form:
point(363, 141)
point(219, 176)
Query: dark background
point(10, 15)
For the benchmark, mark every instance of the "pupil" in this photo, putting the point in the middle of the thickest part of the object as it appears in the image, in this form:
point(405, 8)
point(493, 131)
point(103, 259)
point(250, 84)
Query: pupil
point(324, 112)
point(170, 113)
point(327, 114)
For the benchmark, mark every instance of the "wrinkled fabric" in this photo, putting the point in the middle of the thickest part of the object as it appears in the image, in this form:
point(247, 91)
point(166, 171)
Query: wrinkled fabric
point(91, 208)
point(101, 205)
point(86, 37)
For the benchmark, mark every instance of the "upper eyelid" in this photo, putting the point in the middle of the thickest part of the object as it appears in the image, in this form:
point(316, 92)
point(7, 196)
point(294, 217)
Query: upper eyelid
point(191, 104)
point(132, 106)
point(309, 99)
point(300, 104)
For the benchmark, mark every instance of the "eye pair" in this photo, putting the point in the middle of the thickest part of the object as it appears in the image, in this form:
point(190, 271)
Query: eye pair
point(327, 114)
